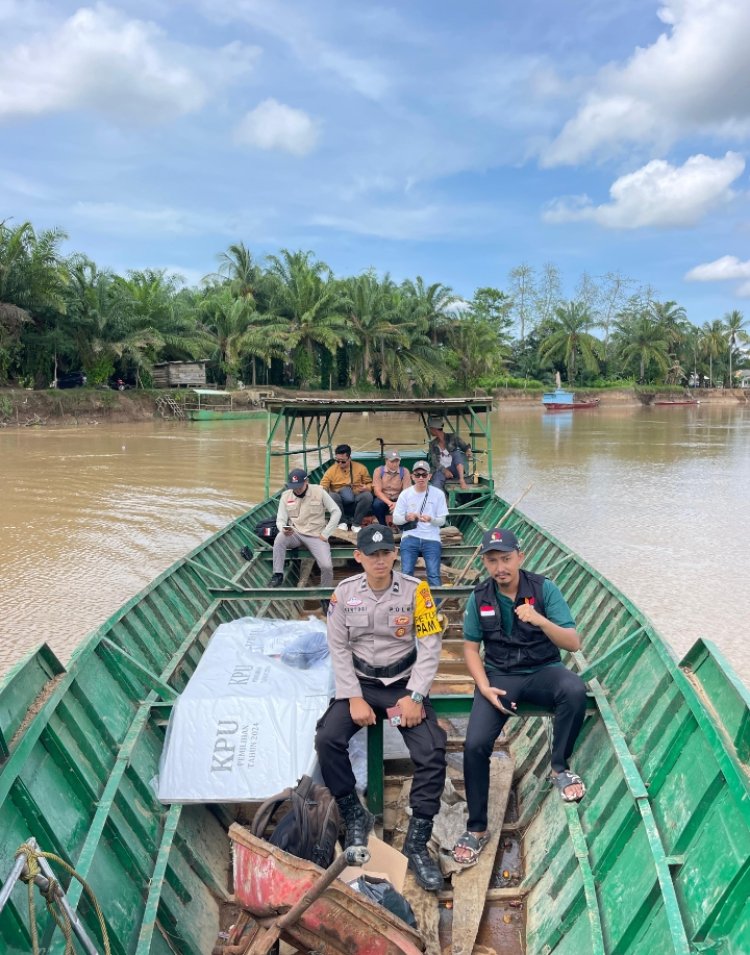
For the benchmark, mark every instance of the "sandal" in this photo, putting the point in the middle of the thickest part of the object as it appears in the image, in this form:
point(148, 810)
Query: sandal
point(565, 779)
point(474, 843)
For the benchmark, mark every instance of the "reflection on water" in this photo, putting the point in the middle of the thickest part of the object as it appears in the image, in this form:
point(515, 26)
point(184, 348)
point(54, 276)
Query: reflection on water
point(654, 498)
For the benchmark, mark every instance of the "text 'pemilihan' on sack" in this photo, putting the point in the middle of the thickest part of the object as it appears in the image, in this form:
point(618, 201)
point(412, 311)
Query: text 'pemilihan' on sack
point(310, 828)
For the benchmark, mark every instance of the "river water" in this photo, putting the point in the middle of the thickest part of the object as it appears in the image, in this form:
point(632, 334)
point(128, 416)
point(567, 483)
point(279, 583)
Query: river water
point(654, 498)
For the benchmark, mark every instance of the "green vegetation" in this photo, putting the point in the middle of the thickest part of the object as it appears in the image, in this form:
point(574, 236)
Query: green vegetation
point(289, 321)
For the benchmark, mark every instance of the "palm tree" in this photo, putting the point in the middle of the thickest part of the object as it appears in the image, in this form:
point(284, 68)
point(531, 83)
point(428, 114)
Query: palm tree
point(672, 318)
point(567, 338)
point(237, 267)
point(713, 337)
point(369, 306)
point(32, 280)
point(307, 296)
point(433, 307)
point(238, 332)
point(641, 340)
point(476, 349)
point(734, 323)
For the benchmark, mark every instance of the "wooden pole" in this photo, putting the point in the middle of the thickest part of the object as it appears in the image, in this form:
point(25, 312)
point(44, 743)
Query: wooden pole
point(505, 516)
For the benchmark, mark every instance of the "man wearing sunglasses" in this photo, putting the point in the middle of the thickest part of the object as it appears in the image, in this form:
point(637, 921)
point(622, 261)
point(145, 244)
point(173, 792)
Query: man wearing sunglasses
point(348, 482)
point(420, 512)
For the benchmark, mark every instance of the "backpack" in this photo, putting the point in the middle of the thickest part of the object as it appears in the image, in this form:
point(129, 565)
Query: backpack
point(267, 529)
point(400, 472)
point(310, 829)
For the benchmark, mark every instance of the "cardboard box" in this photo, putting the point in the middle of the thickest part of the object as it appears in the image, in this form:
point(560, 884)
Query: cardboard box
point(385, 863)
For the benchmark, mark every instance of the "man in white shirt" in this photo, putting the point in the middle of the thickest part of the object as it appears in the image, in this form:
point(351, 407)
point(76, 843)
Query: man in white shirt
point(420, 512)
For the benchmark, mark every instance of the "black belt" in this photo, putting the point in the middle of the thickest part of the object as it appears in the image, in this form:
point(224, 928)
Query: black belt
point(393, 670)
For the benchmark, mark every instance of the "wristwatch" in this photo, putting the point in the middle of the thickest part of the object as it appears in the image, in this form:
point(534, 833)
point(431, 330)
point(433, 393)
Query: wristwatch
point(417, 697)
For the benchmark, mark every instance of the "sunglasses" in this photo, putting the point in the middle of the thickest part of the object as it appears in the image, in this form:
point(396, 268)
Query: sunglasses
point(419, 474)
point(341, 460)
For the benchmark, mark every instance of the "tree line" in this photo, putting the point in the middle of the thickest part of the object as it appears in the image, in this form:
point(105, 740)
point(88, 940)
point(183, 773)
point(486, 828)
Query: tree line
point(288, 320)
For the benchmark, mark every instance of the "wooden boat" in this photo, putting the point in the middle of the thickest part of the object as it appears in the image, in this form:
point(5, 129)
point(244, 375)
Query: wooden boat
point(656, 859)
point(675, 401)
point(210, 404)
point(562, 400)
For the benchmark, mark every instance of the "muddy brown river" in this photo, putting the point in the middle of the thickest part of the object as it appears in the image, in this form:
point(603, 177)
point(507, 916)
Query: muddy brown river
point(654, 498)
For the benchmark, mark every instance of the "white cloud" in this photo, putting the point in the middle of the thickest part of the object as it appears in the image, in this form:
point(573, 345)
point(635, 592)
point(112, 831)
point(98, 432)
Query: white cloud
point(726, 268)
point(299, 27)
point(415, 223)
point(273, 125)
point(102, 61)
point(695, 78)
point(658, 195)
point(124, 219)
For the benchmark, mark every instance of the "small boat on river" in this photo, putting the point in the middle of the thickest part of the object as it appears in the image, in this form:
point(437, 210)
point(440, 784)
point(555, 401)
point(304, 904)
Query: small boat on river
point(655, 859)
point(674, 401)
point(562, 400)
point(210, 404)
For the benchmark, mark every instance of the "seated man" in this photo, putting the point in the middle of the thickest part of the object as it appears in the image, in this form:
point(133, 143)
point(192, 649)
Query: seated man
point(348, 482)
point(448, 455)
point(385, 637)
point(388, 481)
point(301, 520)
point(523, 621)
point(421, 511)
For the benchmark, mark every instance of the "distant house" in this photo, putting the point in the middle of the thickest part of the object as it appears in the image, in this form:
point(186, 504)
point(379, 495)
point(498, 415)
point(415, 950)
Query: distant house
point(180, 374)
point(743, 378)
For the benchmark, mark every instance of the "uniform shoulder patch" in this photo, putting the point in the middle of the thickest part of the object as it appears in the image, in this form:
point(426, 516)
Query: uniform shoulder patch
point(426, 623)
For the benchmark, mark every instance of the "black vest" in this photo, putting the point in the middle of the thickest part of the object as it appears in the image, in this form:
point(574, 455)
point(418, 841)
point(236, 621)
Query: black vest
point(526, 646)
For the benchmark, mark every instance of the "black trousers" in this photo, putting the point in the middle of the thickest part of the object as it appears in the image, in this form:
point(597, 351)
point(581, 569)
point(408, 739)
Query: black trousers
point(554, 687)
point(426, 744)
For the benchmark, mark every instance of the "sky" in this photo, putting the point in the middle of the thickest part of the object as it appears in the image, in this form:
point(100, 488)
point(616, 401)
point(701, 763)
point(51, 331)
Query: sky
point(451, 141)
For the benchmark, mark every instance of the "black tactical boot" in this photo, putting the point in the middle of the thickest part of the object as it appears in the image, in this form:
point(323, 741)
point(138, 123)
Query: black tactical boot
point(426, 870)
point(357, 819)
point(276, 580)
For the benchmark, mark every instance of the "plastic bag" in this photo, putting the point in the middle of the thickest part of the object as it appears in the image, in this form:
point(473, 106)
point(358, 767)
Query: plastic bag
point(382, 892)
point(306, 650)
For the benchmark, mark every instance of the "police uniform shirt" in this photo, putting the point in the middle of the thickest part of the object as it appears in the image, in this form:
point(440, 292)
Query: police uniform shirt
point(380, 629)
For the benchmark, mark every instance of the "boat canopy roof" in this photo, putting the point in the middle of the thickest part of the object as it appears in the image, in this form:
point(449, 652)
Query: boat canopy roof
point(307, 426)
point(210, 391)
point(299, 407)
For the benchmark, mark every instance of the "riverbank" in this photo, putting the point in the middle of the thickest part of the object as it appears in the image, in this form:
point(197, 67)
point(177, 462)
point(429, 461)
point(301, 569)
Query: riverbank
point(20, 408)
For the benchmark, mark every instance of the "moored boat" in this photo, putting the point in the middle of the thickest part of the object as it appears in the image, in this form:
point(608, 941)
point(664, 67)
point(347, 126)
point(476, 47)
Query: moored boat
point(210, 404)
point(562, 400)
point(655, 859)
point(675, 401)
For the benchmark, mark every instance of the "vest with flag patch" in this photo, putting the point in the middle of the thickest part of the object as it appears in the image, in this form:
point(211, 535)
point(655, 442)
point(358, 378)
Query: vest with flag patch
point(526, 646)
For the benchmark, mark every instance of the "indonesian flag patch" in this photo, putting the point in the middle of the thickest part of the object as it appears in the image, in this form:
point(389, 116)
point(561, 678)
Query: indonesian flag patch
point(486, 610)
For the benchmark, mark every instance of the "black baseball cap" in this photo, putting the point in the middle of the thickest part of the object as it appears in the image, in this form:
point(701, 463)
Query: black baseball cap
point(499, 539)
point(297, 478)
point(375, 537)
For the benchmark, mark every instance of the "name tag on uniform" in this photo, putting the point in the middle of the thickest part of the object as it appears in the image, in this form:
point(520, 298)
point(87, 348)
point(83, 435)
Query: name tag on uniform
point(486, 610)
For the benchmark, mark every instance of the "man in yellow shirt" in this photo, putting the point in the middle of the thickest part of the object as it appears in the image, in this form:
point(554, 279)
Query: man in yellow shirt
point(348, 482)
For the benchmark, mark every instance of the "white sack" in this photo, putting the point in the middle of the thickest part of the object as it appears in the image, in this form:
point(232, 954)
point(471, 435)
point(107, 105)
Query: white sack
point(244, 727)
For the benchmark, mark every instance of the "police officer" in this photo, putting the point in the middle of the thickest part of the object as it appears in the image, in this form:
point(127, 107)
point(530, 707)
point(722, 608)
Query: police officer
point(384, 637)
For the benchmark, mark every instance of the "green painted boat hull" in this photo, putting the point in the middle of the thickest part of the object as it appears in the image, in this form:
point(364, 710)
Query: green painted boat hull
point(203, 414)
point(656, 859)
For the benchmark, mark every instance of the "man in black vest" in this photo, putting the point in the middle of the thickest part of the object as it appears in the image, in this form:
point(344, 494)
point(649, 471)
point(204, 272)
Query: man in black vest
point(523, 621)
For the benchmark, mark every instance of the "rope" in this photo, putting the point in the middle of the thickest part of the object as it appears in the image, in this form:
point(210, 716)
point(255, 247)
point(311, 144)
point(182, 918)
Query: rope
point(55, 909)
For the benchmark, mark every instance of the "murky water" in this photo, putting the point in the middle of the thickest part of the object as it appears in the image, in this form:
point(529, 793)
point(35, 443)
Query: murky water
point(654, 498)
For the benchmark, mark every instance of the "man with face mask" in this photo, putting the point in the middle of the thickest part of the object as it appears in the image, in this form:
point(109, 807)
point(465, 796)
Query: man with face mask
point(301, 520)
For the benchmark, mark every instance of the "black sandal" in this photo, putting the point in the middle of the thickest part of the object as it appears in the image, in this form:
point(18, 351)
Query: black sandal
point(474, 843)
point(565, 779)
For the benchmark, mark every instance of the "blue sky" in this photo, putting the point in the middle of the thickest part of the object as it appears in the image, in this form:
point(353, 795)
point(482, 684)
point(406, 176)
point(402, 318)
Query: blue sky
point(452, 141)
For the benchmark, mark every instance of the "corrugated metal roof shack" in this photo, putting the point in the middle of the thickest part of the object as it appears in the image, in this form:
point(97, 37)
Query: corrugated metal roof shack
point(179, 374)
